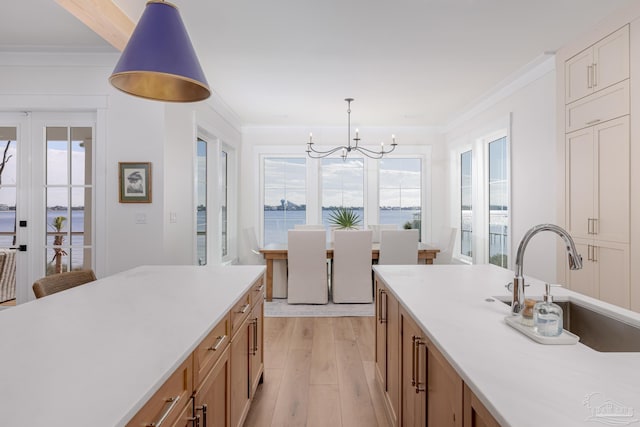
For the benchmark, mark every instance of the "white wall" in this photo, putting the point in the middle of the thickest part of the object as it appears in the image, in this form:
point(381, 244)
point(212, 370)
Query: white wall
point(128, 129)
point(530, 103)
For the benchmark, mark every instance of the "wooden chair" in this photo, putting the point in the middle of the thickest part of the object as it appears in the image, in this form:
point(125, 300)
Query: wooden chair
point(351, 276)
point(398, 247)
point(59, 282)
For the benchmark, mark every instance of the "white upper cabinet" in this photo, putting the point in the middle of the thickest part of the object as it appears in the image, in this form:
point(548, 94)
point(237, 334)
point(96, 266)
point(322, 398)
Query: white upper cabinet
point(598, 67)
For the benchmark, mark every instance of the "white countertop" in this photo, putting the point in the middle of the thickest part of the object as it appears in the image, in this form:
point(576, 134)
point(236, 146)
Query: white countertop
point(93, 355)
point(521, 382)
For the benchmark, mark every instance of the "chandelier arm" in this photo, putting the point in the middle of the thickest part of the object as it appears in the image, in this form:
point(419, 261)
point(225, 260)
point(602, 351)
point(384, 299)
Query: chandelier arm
point(377, 153)
point(321, 154)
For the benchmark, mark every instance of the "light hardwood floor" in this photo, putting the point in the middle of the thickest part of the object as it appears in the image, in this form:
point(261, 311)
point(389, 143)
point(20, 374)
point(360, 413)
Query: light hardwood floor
point(318, 372)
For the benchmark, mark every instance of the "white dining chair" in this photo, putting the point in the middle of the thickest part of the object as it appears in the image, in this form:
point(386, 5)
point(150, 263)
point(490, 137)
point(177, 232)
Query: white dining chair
point(307, 256)
point(376, 228)
point(351, 276)
point(398, 247)
point(446, 241)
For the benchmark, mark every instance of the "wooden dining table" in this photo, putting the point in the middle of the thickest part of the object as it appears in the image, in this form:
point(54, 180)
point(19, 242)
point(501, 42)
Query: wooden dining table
point(271, 252)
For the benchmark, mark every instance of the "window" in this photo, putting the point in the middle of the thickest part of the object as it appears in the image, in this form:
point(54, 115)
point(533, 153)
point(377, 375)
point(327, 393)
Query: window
point(224, 169)
point(342, 186)
point(466, 204)
point(498, 189)
point(284, 201)
point(400, 192)
point(68, 190)
point(201, 205)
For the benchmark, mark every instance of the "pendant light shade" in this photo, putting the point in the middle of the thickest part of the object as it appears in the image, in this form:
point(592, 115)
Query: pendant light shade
point(159, 61)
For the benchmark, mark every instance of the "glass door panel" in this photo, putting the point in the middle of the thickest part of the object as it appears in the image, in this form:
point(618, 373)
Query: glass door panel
point(8, 215)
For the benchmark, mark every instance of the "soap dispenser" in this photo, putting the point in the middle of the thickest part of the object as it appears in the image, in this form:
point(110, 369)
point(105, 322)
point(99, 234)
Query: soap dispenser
point(547, 316)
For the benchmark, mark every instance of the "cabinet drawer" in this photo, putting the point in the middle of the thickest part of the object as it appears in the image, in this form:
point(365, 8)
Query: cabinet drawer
point(257, 291)
point(597, 108)
point(167, 403)
point(240, 311)
point(210, 349)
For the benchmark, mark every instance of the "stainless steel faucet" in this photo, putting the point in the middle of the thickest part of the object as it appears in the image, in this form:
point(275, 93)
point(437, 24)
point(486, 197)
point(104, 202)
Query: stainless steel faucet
point(575, 261)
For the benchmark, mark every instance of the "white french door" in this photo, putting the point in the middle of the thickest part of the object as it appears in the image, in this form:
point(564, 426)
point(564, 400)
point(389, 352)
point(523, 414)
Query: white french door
point(46, 196)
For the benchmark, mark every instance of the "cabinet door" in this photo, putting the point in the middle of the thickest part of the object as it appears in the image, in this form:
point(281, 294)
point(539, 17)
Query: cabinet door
point(381, 337)
point(611, 59)
point(187, 418)
point(212, 398)
point(445, 391)
point(414, 374)
point(393, 355)
point(611, 218)
point(584, 280)
point(580, 182)
point(578, 76)
point(256, 350)
point(612, 269)
point(240, 394)
point(475, 414)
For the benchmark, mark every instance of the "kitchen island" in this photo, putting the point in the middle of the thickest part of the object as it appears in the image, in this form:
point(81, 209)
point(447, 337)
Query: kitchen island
point(95, 354)
point(518, 381)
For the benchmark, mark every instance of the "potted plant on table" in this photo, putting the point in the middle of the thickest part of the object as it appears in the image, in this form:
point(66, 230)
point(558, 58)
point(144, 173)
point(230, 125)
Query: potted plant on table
point(343, 219)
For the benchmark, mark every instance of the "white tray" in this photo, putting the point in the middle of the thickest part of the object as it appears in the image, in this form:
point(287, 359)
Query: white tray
point(565, 337)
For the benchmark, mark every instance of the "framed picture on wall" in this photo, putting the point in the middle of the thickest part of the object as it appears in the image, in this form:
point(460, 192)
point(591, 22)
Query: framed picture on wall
point(135, 182)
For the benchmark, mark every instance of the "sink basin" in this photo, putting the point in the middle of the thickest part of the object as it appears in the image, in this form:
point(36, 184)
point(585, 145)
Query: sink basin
point(596, 330)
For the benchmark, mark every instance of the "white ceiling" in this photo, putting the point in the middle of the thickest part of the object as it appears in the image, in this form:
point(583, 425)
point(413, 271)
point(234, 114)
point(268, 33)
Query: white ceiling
point(292, 62)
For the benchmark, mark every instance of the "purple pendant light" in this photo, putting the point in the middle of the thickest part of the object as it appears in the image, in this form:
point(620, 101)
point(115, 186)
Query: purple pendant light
point(159, 61)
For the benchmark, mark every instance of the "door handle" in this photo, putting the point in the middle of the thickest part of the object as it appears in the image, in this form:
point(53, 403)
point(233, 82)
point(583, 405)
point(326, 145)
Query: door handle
point(19, 248)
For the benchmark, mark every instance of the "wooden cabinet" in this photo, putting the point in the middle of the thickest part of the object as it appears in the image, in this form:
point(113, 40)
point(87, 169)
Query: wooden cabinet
point(432, 391)
point(597, 181)
point(475, 414)
point(256, 340)
point(168, 404)
point(598, 67)
point(413, 378)
point(212, 399)
point(387, 350)
point(247, 354)
point(420, 386)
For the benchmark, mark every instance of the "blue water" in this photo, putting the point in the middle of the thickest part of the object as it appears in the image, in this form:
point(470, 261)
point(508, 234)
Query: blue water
point(276, 223)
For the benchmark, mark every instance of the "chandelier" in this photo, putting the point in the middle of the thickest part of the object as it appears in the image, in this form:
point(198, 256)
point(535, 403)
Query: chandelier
point(346, 149)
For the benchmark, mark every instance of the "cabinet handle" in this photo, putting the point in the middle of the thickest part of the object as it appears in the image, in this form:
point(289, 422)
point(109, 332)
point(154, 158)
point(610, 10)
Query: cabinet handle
point(172, 401)
point(379, 305)
point(202, 408)
point(383, 294)
point(195, 420)
point(592, 122)
point(413, 361)
point(418, 344)
point(594, 70)
point(588, 252)
point(260, 288)
point(595, 227)
point(588, 225)
point(254, 322)
point(594, 257)
point(244, 309)
point(589, 84)
point(218, 343)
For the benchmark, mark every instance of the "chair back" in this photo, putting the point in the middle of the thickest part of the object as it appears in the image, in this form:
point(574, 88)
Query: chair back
point(446, 242)
point(351, 277)
point(376, 230)
point(59, 282)
point(398, 247)
point(308, 227)
point(307, 259)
